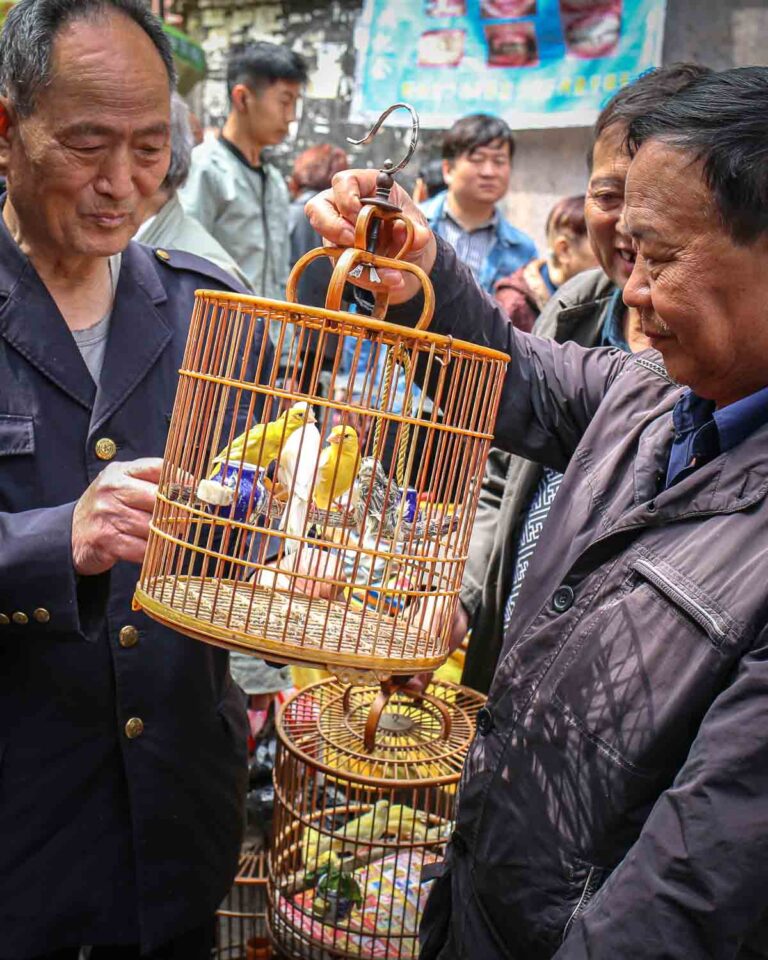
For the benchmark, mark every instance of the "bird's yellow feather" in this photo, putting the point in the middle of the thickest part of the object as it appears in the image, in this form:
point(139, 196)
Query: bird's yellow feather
point(337, 467)
point(261, 444)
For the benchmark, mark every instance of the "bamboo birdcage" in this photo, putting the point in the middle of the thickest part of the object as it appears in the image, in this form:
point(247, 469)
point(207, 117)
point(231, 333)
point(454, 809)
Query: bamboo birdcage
point(364, 801)
point(241, 920)
point(309, 566)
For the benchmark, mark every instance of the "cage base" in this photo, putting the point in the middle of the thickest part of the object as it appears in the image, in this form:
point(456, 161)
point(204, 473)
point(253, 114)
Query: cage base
point(288, 627)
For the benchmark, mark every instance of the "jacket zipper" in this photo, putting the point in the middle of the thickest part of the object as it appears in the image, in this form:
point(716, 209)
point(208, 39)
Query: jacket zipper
point(688, 604)
point(586, 895)
point(265, 225)
point(655, 368)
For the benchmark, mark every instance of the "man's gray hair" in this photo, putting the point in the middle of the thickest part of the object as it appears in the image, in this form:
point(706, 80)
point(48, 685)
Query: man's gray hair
point(182, 142)
point(26, 42)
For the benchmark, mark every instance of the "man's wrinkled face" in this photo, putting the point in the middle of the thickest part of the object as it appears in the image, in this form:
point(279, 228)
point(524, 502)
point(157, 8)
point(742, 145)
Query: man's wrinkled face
point(702, 298)
point(96, 146)
point(480, 176)
point(604, 206)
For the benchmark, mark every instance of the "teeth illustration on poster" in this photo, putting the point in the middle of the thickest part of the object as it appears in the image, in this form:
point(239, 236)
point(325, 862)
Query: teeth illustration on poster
point(512, 44)
point(446, 8)
point(499, 9)
point(536, 63)
point(592, 29)
point(441, 48)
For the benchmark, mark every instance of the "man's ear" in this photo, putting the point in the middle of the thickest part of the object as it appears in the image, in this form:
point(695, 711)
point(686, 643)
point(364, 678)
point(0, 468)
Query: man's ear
point(239, 97)
point(561, 250)
point(7, 131)
point(447, 172)
point(7, 118)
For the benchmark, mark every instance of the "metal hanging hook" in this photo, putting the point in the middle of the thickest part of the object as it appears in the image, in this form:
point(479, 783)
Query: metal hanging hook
point(390, 167)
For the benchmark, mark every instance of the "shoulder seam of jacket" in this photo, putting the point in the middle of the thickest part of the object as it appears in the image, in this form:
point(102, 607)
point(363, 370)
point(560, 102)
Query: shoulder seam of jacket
point(654, 367)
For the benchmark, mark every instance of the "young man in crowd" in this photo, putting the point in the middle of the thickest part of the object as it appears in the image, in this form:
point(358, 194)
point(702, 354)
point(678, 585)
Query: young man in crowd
point(614, 800)
point(239, 197)
point(477, 163)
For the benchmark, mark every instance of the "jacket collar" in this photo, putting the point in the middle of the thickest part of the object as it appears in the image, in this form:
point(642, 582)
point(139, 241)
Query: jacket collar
point(138, 333)
point(32, 324)
point(506, 235)
point(732, 481)
point(583, 321)
point(165, 223)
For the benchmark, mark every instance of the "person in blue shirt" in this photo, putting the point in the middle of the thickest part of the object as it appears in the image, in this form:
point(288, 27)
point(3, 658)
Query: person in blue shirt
point(477, 162)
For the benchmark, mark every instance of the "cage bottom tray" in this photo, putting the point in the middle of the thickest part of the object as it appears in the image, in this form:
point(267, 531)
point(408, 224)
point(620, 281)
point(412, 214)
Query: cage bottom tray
point(289, 627)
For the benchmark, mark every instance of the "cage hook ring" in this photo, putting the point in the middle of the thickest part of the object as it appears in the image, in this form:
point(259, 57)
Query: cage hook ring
point(390, 167)
point(445, 360)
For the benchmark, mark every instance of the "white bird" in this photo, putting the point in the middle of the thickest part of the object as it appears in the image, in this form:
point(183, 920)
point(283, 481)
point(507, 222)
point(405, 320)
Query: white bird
point(296, 472)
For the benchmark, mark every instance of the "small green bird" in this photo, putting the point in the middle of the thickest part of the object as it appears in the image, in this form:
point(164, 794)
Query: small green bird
point(370, 826)
point(406, 822)
point(337, 467)
point(261, 444)
point(318, 848)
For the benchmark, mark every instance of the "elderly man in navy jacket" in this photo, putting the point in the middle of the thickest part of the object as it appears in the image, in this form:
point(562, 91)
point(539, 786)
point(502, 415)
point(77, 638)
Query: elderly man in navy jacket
point(122, 744)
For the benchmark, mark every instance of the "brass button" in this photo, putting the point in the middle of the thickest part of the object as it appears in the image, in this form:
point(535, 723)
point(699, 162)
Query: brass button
point(162, 255)
point(4, 619)
point(134, 728)
point(41, 615)
point(128, 636)
point(105, 448)
point(20, 618)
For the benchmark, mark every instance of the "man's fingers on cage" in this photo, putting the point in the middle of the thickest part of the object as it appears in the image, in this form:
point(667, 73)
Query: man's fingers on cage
point(324, 217)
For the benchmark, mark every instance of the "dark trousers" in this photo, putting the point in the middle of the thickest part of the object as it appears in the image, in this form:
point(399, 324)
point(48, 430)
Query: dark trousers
point(196, 944)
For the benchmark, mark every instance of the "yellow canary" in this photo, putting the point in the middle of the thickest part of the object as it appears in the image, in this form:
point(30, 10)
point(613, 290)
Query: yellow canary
point(317, 848)
point(261, 444)
point(337, 467)
point(407, 823)
point(370, 826)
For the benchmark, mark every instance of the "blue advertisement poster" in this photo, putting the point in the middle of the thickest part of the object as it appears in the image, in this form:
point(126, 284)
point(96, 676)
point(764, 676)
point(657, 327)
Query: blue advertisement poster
point(537, 63)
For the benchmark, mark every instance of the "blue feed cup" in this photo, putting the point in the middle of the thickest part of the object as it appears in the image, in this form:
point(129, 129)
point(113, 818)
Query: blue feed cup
point(411, 509)
point(250, 493)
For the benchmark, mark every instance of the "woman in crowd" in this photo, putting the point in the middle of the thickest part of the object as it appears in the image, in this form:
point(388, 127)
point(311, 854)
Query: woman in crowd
point(524, 294)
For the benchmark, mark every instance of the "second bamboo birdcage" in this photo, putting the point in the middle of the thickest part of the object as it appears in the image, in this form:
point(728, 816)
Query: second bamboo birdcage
point(241, 920)
point(322, 472)
point(365, 788)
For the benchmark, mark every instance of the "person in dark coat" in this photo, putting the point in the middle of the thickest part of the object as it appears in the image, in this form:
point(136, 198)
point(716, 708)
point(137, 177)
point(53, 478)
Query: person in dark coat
point(122, 744)
point(614, 801)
